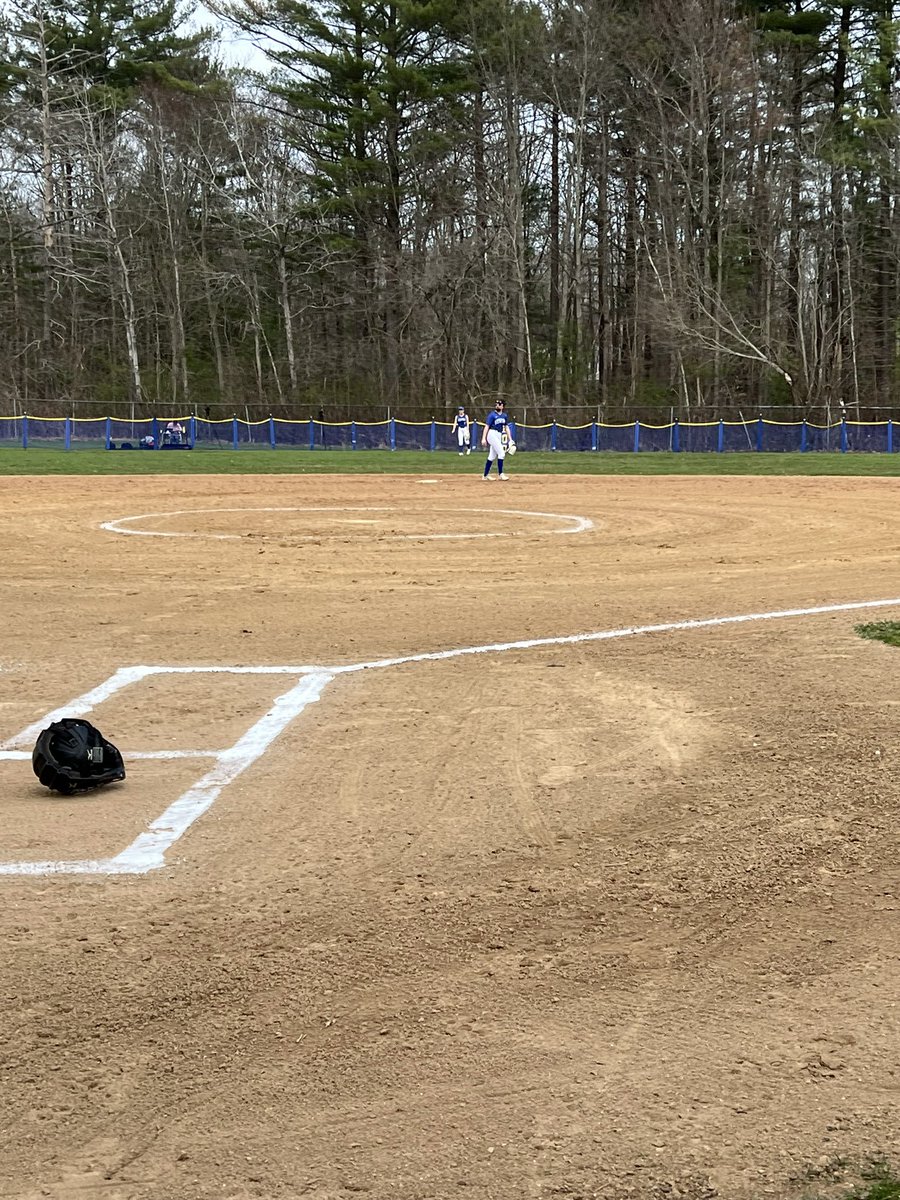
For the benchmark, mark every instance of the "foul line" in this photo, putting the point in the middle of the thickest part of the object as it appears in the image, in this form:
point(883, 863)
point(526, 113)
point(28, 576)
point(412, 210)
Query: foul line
point(147, 852)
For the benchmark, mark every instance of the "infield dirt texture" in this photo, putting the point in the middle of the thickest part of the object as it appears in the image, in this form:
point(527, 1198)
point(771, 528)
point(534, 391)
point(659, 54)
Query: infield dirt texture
point(613, 918)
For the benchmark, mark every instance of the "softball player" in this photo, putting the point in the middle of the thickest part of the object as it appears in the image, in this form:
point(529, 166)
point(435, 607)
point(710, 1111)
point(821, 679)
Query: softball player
point(462, 427)
point(496, 438)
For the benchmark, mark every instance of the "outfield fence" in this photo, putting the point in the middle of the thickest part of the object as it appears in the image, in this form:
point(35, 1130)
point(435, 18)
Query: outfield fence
point(195, 433)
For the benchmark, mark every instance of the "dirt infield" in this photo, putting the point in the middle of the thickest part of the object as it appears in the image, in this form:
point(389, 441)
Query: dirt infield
point(613, 918)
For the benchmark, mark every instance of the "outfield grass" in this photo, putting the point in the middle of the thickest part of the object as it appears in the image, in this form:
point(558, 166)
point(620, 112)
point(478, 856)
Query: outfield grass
point(420, 462)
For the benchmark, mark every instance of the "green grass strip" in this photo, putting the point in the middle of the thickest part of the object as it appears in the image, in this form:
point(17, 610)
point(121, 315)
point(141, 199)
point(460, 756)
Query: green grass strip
point(881, 631)
point(34, 461)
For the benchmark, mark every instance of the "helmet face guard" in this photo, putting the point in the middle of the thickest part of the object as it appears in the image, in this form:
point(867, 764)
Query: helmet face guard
point(72, 756)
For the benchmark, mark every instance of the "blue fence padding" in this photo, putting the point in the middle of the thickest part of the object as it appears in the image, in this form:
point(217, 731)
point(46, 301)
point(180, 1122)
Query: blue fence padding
point(210, 434)
point(619, 438)
point(756, 435)
point(333, 437)
point(699, 437)
point(291, 435)
point(10, 431)
point(129, 431)
point(412, 436)
point(534, 437)
point(251, 435)
point(868, 438)
point(656, 437)
point(373, 436)
point(51, 431)
point(823, 437)
point(577, 437)
point(737, 437)
point(781, 439)
point(87, 433)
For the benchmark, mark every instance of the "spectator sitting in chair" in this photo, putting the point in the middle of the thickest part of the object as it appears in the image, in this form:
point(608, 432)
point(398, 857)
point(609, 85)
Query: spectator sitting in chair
point(174, 433)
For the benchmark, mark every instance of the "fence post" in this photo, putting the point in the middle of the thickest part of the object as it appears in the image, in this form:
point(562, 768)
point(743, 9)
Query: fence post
point(759, 433)
point(637, 436)
point(312, 434)
point(24, 431)
point(393, 433)
point(154, 429)
point(553, 435)
point(352, 435)
point(433, 434)
point(676, 436)
point(593, 435)
point(720, 438)
point(108, 432)
point(234, 432)
point(803, 436)
point(68, 433)
point(890, 448)
point(843, 435)
point(192, 430)
point(271, 431)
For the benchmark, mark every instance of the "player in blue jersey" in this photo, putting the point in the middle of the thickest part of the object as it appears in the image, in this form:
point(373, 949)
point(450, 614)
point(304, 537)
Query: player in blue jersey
point(497, 439)
point(462, 427)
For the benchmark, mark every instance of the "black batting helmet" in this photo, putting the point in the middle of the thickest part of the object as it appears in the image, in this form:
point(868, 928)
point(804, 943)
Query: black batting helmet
point(72, 756)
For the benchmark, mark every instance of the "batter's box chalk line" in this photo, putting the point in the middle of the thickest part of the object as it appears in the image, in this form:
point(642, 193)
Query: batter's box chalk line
point(148, 851)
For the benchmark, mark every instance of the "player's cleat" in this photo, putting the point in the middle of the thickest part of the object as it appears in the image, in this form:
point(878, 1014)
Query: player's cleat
point(503, 475)
point(460, 454)
point(468, 452)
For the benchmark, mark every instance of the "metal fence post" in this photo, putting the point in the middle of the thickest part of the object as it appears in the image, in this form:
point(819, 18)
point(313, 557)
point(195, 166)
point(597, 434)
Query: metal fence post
point(352, 435)
point(759, 433)
point(676, 436)
point(192, 430)
point(890, 432)
point(843, 435)
point(24, 431)
point(108, 432)
point(433, 434)
point(720, 440)
point(637, 436)
point(803, 436)
point(393, 433)
point(593, 435)
point(312, 434)
point(234, 432)
point(68, 442)
point(271, 431)
point(154, 428)
point(553, 435)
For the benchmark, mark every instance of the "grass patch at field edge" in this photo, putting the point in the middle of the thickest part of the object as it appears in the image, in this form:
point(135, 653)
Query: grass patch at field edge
point(881, 631)
point(40, 461)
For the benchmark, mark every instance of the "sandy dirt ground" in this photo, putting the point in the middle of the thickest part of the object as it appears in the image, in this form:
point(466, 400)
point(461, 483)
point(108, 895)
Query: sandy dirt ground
point(605, 919)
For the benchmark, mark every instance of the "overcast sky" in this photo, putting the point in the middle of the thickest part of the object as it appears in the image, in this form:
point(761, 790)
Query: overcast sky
point(236, 49)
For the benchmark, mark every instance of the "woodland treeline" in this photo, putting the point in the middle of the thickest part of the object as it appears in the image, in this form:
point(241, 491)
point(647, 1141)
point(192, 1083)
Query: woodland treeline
point(611, 204)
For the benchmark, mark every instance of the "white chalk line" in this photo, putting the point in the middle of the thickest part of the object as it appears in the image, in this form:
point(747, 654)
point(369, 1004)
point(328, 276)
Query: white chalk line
point(83, 705)
point(147, 852)
point(165, 755)
point(572, 524)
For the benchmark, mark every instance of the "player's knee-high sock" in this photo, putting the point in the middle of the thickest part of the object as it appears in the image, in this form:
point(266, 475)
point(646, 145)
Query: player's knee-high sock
point(487, 468)
point(499, 466)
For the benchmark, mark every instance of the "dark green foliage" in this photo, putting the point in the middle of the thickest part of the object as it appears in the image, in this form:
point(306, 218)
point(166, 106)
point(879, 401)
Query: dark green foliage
point(111, 47)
